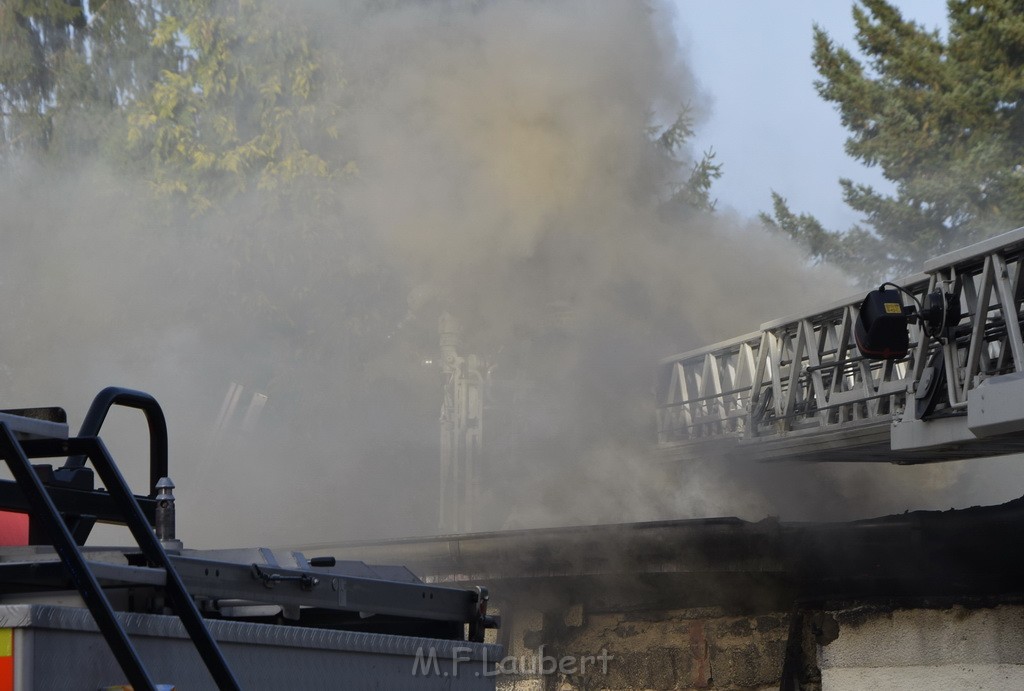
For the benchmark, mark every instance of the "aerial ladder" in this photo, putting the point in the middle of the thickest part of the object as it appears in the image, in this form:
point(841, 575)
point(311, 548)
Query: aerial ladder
point(927, 368)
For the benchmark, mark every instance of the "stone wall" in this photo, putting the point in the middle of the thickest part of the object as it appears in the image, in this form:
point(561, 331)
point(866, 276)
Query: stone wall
point(857, 647)
point(675, 649)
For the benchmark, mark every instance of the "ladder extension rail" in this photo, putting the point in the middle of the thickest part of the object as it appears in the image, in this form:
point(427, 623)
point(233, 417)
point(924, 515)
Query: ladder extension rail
point(803, 375)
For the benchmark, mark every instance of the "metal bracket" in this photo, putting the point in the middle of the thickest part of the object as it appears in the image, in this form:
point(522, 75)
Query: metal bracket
point(305, 581)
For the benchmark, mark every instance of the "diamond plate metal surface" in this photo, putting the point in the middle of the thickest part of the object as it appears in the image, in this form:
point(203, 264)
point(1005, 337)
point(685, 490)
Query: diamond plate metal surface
point(60, 648)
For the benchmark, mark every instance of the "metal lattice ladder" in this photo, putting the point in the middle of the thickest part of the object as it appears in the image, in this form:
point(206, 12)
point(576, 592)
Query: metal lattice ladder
point(799, 388)
point(45, 513)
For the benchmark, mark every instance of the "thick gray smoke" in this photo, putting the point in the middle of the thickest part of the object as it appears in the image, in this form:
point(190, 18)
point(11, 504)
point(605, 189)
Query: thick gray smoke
point(502, 172)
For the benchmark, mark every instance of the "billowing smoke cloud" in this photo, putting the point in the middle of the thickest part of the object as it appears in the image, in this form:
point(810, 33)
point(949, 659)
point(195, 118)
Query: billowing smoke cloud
point(502, 171)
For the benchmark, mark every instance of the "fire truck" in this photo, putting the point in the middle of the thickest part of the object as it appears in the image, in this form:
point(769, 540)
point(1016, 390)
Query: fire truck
point(157, 616)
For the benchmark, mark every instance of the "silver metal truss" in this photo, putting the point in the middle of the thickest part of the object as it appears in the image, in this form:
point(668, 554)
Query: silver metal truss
point(798, 388)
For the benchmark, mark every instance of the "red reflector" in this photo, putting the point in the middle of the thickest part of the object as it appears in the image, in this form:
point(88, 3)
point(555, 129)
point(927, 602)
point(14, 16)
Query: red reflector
point(13, 529)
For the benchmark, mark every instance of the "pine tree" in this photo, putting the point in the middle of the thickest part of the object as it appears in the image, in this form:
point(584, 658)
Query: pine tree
point(942, 117)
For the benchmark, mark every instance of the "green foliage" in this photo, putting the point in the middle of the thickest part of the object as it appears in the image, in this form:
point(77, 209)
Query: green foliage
point(242, 113)
point(857, 250)
point(205, 99)
point(67, 70)
point(222, 108)
point(695, 192)
point(36, 39)
point(942, 117)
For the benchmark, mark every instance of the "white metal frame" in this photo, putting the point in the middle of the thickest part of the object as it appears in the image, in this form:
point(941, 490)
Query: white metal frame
point(799, 387)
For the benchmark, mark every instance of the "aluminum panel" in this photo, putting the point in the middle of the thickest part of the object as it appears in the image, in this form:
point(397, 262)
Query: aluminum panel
point(996, 406)
point(67, 652)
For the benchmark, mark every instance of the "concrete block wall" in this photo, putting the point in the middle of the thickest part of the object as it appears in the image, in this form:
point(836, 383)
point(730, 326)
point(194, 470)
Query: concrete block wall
point(954, 648)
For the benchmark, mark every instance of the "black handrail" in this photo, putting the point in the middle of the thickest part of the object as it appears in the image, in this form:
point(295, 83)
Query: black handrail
point(44, 510)
point(154, 551)
point(129, 398)
point(82, 448)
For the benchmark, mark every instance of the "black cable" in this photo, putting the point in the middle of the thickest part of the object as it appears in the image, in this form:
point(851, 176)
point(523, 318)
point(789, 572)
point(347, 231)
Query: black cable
point(928, 332)
point(904, 290)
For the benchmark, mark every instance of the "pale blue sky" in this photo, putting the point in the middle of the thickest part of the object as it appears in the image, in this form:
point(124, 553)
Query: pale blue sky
point(768, 126)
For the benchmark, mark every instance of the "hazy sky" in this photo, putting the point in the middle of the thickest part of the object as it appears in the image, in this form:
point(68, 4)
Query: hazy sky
point(767, 124)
